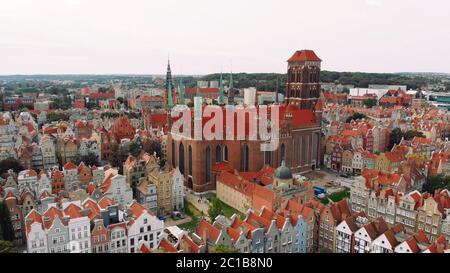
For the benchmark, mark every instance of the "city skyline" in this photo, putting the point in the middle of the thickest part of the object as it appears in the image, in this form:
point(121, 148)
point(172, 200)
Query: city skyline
point(108, 37)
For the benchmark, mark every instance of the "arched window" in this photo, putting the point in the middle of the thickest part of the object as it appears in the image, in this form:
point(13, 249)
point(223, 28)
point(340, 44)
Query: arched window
point(299, 151)
point(314, 146)
point(245, 158)
point(181, 158)
point(218, 154)
point(190, 160)
point(173, 153)
point(268, 157)
point(208, 164)
point(283, 152)
point(225, 153)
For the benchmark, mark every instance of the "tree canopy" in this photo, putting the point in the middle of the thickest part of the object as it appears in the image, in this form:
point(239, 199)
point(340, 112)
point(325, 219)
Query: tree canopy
point(6, 228)
point(355, 116)
point(215, 208)
point(395, 137)
point(10, 163)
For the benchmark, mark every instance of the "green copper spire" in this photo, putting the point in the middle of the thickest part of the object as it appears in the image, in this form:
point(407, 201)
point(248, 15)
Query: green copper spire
point(198, 91)
point(181, 91)
point(169, 95)
point(231, 80)
point(221, 101)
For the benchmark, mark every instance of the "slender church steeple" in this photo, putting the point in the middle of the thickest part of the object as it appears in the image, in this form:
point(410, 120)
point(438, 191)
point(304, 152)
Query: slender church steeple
point(169, 86)
point(197, 94)
point(276, 91)
point(181, 91)
point(231, 90)
point(221, 99)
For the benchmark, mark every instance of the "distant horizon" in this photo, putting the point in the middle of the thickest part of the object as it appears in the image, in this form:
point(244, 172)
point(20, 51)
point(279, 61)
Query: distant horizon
point(200, 75)
point(107, 37)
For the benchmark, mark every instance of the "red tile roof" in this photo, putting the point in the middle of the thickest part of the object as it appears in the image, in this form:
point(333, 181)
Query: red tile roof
point(304, 55)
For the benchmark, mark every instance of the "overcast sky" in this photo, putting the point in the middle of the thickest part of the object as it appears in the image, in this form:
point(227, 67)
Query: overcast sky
point(206, 36)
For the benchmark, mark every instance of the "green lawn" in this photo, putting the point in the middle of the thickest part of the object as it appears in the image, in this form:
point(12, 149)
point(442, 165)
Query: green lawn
point(195, 214)
point(338, 196)
point(335, 197)
point(229, 211)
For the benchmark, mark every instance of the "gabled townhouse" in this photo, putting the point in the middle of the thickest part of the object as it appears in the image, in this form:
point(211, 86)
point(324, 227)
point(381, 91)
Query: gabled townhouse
point(365, 235)
point(79, 227)
point(415, 244)
point(28, 201)
point(71, 180)
point(345, 232)
point(100, 237)
point(58, 182)
point(406, 210)
point(254, 233)
point(56, 230)
point(304, 222)
point(118, 237)
point(27, 178)
point(211, 235)
point(432, 212)
point(142, 226)
point(44, 183)
point(16, 216)
point(84, 174)
point(48, 152)
point(389, 240)
point(36, 236)
point(115, 187)
point(136, 168)
point(286, 231)
point(330, 216)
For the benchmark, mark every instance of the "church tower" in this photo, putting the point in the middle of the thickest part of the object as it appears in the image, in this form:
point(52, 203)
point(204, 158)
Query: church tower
point(303, 84)
point(168, 95)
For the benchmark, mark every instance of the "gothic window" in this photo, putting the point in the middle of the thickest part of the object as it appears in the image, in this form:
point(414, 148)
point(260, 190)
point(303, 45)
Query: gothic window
point(181, 158)
point(307, 145)
point(299, 150)
point(225, 153)
point(190, 160)
point(173, 154)
point(283, 152)
point(245, 158)
point(268, 157)
point(208, 164)
point(218, 154)
point(314, 146)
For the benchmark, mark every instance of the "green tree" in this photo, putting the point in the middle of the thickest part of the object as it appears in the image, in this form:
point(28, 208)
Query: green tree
point(117, 156)
point(395, 137)
point(7, 247)
point(437, 182)
point(410, 134)
point(355, 116)
point(214, 208)
point(154, 147)
point(10, 163)
point(135, 149)
point(6, 228)
point(223, 249)
point(90, 159)
point(369, 103)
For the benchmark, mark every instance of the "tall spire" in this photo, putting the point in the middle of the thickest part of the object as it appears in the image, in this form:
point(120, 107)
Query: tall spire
point(169, 85)
point(198, 90)
point(221, 100)
point(276, 92)
point(231, 79)
point(181, 91)
point(169, 96)
point(231, 90)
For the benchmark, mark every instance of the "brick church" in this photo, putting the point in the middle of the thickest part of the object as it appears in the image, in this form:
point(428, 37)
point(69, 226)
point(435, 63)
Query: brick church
point(300, 118)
